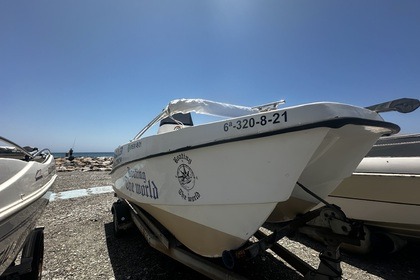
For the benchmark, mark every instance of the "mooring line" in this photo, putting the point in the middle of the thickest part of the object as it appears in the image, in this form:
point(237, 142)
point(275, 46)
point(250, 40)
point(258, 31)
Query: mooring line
point(80, 193)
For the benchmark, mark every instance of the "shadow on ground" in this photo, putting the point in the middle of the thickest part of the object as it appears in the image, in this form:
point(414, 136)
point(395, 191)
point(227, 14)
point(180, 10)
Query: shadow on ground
point(132, 258)
point(403, 264)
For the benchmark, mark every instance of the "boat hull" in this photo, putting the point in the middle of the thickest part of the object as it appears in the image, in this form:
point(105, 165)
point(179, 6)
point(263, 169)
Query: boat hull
point(23, 197)
point(15, 229)
point(236, 187)
point(326, 169)
point(388, 201)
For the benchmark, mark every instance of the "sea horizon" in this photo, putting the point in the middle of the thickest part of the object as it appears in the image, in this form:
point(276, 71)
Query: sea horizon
point(84, 154)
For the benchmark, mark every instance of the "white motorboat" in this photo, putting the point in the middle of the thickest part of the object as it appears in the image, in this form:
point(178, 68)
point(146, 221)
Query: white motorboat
point(384, 190)
point(25, 178)
point(213, 185)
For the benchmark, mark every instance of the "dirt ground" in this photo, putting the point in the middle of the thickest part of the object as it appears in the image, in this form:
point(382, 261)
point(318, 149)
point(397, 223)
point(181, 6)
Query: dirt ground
point(79, 244)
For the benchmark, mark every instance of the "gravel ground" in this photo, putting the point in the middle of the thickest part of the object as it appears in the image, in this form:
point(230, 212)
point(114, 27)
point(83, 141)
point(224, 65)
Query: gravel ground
point(79, 244)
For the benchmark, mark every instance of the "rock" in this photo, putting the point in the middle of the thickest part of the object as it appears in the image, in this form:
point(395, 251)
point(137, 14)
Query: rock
point(107, 163)
point(84, 164)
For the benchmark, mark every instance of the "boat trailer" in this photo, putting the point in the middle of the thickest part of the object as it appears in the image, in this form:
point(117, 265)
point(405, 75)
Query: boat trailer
point(335, 230)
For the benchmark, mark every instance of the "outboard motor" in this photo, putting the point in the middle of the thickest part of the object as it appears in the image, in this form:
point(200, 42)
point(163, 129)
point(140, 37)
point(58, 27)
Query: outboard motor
point(175, 122)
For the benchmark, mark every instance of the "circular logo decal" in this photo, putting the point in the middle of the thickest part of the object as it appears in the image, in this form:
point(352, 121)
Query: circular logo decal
point(185, 177)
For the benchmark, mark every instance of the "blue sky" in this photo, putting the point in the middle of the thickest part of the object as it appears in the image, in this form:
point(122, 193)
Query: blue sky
point(97, 71)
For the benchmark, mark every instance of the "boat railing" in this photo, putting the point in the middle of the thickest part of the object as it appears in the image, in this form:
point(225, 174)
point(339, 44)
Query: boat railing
point(269, 106)
point(158, 118)
point(42, 152)
point(42, 155)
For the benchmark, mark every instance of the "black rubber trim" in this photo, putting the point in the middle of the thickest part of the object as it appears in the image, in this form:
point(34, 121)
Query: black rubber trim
point(334, 123)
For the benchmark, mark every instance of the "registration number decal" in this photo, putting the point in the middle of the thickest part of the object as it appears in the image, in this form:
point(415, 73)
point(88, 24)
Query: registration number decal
point(251, 122)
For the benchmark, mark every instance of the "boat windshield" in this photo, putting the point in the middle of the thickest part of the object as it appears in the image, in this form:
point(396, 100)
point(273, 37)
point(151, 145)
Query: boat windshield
point(207, 107)
point(9, 149)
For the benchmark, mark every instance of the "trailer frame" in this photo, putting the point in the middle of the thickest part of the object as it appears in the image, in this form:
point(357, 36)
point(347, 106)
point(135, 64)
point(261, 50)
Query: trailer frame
point(336, 230)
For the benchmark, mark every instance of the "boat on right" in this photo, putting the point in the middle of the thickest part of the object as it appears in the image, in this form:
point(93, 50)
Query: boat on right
point(384, 190)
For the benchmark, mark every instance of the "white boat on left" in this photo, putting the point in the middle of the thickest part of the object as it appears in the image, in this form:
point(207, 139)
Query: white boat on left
point(26, 175)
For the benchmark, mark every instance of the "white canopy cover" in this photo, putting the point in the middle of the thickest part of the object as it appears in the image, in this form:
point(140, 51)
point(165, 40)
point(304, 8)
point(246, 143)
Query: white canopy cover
point(207, 107)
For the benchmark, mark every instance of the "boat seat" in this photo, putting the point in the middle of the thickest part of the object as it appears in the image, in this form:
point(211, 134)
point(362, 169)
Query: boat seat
point(175, 122)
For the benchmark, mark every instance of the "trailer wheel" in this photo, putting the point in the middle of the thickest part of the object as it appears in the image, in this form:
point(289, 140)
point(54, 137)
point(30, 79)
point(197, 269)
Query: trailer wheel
point(34, 248)
point(121, 217)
